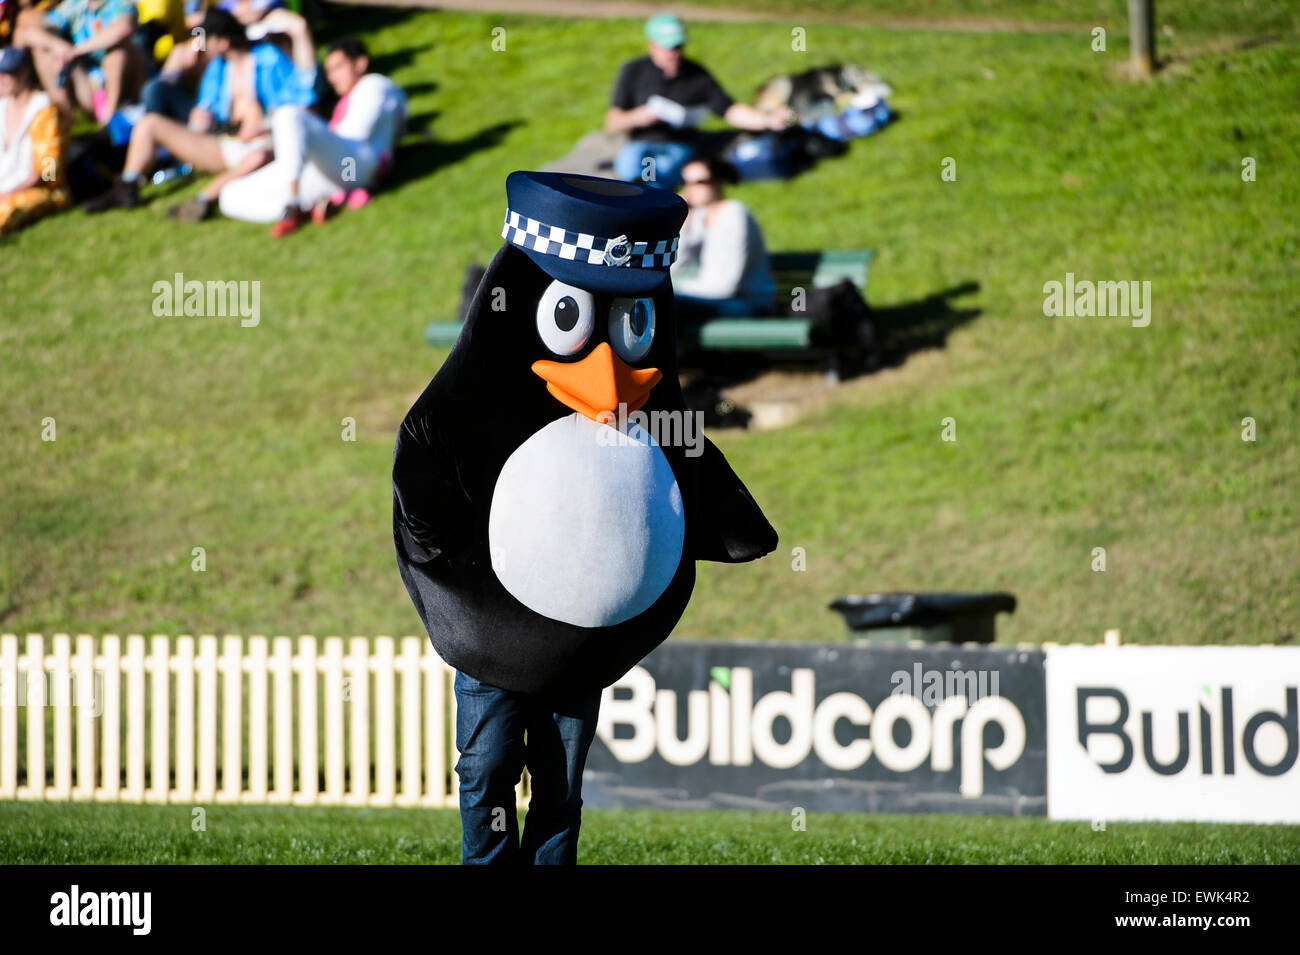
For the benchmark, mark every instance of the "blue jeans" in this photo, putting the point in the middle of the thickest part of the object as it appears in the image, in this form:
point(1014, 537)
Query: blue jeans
point(168, 96)
point(669, 158)
point(490, 726)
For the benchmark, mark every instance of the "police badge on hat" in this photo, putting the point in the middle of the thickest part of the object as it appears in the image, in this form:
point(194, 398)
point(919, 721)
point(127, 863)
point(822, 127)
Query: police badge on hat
point(619, 251)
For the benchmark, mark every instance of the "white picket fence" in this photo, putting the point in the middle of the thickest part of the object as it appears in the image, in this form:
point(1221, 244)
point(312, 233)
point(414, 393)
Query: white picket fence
point(172, 711)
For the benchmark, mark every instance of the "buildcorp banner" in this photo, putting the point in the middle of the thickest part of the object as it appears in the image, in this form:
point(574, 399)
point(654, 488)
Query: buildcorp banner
point(762, 725)
point(1195, 733)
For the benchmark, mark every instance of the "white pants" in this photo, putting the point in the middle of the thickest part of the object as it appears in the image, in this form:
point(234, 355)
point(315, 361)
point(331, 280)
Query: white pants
point(306, 149)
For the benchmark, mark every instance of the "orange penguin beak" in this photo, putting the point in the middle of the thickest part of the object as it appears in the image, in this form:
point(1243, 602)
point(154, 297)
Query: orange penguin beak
point(598, 383)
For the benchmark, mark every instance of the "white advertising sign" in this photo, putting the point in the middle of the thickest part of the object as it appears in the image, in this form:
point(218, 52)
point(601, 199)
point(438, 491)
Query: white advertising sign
point(1191, 733)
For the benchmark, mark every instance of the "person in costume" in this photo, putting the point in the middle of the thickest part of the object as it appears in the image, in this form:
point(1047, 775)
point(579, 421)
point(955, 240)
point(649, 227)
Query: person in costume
point(547, 539)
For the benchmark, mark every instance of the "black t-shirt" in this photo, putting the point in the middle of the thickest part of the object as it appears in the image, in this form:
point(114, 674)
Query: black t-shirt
point(692, 86)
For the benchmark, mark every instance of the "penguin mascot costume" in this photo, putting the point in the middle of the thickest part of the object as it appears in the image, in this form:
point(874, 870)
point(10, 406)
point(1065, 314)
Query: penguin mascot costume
point(547, 542)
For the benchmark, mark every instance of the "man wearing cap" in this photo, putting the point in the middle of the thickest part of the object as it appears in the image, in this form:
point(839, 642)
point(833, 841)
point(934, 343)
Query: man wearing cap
point(657, 100)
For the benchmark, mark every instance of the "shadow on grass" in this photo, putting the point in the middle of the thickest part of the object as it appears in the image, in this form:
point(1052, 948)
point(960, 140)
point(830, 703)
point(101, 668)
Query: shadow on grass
point(389, 63)
point(332, 21)
point(418, 159)
point(901, 331)
point(419, 123)
point(412, 90)
point(926, 323)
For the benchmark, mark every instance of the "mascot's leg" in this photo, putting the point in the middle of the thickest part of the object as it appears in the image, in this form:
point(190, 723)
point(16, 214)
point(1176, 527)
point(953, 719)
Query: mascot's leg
point(559, 736)
point(490, 724)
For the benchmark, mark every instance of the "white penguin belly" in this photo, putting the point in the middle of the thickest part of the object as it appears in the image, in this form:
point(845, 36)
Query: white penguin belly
point(586, 524)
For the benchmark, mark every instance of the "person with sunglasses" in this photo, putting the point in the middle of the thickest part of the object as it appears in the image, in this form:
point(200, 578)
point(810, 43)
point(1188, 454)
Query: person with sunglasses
point(722, 267)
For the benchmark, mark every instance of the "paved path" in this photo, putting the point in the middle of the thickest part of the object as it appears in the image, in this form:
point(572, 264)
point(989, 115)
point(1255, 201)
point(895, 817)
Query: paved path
point(689, 12)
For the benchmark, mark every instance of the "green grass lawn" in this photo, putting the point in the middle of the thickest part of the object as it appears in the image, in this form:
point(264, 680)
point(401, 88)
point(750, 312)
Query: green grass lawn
point(1073, 433)
point(78, 833)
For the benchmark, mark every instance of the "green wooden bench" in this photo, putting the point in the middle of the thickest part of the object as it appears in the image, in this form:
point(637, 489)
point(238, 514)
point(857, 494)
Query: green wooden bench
point(779, 336)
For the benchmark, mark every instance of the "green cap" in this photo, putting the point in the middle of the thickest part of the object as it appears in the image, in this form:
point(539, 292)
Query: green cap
point(666, 30)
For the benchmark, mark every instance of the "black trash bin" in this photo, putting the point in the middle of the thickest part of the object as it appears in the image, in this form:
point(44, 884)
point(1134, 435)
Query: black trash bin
point(896, 618)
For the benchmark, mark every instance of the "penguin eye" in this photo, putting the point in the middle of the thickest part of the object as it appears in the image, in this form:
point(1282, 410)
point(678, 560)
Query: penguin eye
point(565, 318)
point(632, 327)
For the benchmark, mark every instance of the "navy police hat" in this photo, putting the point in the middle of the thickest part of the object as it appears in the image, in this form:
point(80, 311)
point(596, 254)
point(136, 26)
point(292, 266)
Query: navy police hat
point(600, 234)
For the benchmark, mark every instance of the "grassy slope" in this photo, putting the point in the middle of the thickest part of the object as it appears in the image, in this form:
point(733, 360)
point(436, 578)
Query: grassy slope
point(78, 833)
point(1073, 433)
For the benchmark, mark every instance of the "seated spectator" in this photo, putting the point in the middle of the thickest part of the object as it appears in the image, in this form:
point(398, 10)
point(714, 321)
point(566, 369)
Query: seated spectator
point(721, 267)
point(227, 132)
point(89, 45)
point(31, 145)
point(318, 165)
point(173, 92)
point(659, 98)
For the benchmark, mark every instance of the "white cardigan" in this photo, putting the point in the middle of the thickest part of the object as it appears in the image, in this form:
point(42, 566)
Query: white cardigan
point(17, 162)
point(730, 255)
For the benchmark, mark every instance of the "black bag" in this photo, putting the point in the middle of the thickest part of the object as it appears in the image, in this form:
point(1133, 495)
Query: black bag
point(91, 163)
point(842, 321)
point(820, 146)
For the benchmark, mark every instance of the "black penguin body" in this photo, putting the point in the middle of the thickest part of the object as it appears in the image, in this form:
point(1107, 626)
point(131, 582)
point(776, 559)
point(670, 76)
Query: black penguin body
point(484, 404)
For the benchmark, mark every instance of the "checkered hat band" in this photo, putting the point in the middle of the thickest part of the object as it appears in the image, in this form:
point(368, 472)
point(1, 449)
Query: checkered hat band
point(580, 247)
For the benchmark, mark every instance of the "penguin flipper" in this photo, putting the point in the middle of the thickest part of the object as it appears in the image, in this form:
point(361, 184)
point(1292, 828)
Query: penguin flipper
point(731, 527)
point(429, 505)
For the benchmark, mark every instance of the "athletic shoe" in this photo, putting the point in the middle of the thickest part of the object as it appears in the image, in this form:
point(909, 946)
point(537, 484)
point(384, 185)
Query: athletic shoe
point(290, 223)
point(195, 210)
point(120, 195)
point(358, 198)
